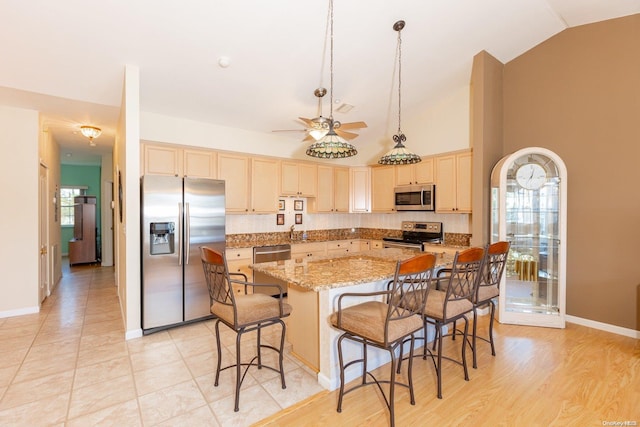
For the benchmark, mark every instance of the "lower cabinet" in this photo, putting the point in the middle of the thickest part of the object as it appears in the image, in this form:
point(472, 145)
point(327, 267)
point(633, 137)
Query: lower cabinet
point(238, 261)
point(308, 250)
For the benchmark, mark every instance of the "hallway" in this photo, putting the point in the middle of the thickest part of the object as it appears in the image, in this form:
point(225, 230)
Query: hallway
point(69, 364)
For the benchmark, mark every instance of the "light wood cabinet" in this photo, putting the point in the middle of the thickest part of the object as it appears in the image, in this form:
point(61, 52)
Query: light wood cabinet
point(340, 247)
point(175, 161)
point(333, 190)
point(238, 261)
point(298, 179)
point(234, 170)
point(360, 190)
point(265, 177)
point(251, 183)
point(376, 244)
point(308, 250)
point(453, 183)
point(382, 185)
point(417, 173)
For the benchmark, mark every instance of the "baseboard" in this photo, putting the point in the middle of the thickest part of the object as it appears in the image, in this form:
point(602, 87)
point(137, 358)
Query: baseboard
point(632, 333)
point(136, 333)
point(19, 312)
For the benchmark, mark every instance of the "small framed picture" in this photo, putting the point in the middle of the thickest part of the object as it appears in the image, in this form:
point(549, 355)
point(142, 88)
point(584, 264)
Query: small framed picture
point(281, 205)
point(298, 218)
point(280, 219)
point(298, 205)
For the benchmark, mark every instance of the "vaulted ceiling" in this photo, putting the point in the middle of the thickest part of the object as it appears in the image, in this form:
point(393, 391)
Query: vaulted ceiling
point(66, 58)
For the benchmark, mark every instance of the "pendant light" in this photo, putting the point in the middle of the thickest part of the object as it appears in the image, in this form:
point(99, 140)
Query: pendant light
point(399, 155)
point(331, 146)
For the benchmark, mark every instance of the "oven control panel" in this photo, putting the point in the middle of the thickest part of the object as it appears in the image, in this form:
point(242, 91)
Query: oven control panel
point(425, 227)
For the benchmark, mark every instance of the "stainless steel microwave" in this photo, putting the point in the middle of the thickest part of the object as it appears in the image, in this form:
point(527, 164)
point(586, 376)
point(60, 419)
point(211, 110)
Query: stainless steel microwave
point(415, 197)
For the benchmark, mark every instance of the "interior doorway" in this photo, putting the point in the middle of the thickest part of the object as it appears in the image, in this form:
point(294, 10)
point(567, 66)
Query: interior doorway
point(43, 234)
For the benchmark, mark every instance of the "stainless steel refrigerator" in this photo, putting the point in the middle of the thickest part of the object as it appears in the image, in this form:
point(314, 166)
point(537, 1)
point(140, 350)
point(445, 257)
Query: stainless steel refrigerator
point(178, 216)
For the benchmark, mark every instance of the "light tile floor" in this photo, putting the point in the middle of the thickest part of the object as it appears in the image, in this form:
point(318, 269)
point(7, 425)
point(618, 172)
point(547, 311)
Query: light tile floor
point(70, 365)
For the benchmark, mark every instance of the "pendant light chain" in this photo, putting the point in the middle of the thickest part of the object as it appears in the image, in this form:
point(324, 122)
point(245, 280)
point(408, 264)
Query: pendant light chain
point(399, 80)
point(399, 155)
point(331, 146)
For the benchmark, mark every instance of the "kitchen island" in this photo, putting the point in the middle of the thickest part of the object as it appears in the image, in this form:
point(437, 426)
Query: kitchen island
point(314, 288)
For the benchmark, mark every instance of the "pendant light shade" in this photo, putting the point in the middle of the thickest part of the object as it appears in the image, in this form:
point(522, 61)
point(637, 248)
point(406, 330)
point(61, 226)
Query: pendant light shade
point(399, 154)
point(91, 132)
point(331, 146)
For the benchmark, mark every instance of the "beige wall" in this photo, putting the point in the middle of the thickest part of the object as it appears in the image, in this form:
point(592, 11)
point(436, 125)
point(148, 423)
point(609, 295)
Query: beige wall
point(19, 168)
point(578, 94)
point(486, 136)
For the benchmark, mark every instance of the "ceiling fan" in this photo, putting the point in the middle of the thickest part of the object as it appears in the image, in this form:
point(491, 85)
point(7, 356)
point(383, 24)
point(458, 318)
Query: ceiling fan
point(318, 127)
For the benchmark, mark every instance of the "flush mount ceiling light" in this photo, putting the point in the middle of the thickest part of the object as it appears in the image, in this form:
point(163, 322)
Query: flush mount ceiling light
point(331, 146)
point(399, 155)
point(91, 132)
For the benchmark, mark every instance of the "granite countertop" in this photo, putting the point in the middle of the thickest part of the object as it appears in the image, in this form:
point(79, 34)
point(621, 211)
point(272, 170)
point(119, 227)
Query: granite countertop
point(330, 272)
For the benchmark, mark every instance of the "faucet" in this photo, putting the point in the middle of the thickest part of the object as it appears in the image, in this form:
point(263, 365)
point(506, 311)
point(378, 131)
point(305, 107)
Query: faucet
point(291, 230)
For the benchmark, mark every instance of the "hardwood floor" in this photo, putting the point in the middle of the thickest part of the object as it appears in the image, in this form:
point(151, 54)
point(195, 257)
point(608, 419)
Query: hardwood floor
point(540, 377)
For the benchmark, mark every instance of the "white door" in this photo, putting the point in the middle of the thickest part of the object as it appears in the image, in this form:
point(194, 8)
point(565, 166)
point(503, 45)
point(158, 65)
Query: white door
point(108, 205)
point(43, 288)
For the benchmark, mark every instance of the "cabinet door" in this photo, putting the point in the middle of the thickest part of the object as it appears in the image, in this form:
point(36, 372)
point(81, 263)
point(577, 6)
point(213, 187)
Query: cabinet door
point(423, 171)
point(453, 183)
point(404, 175)
point(265, 177)
point(446, 183)
point(289, 179)
point(160, 160)
point(360, 190)
point(234, 170)
point(324, 200)
point(307, 180)
point(341, 190)
point(199, 163)
point(382, 184)
point(463, 182)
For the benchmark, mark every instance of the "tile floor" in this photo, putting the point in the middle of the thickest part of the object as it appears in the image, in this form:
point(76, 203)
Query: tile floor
point(70, 365)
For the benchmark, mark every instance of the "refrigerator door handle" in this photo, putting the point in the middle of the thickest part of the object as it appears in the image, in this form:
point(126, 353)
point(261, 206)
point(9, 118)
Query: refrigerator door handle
point(180, 239)
point(187, 239)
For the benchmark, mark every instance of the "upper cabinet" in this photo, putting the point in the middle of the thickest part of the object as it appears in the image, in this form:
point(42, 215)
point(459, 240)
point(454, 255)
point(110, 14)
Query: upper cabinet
point(234, 169)
point(453, 182)
point(298, 179)
point(382, 184)
point(417, 173)
point(251, 183)
point(174, 161)
point(360, 190)
point(333, 190)
point(265, 177)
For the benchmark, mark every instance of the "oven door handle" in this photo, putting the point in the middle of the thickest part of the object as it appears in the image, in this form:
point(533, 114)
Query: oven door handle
point(402, 245)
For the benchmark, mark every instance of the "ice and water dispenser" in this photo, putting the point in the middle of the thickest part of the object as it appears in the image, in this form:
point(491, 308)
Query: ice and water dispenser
point(162, 238)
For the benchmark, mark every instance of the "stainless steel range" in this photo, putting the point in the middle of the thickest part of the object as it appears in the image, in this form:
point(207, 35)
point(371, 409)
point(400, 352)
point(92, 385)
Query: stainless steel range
point(416, 234)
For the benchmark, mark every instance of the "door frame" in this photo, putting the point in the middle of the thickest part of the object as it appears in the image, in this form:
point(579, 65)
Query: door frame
point(44, 273)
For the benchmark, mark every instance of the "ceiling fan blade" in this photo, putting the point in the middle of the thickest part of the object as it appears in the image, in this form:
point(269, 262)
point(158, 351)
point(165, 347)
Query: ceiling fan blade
point(346, 135)
point(289, 130)
point(308, 138)
point(353, 125)
point(308, 122)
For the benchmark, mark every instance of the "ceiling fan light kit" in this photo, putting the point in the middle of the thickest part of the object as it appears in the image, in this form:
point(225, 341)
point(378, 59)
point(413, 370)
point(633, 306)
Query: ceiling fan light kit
point(399, 154)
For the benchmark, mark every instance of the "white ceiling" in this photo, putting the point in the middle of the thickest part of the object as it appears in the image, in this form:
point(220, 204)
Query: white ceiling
point(66, 58)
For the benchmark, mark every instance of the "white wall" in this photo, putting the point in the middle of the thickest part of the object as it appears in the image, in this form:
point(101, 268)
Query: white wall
point(19, 216)
point(442, 128)
point(240, 224)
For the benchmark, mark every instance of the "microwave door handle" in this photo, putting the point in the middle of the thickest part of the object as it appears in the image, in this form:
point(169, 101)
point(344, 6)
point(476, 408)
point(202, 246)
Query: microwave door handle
point(422, 197)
